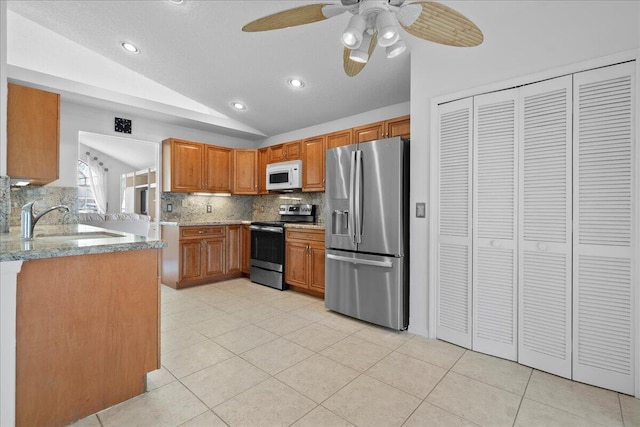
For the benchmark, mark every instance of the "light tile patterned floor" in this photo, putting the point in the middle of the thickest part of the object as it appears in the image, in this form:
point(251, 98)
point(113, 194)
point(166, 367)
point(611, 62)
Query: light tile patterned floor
point(239, 354)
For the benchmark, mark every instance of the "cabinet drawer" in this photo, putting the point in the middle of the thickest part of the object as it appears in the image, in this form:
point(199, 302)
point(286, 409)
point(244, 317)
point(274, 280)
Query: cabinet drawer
point(307, 235)
point(195, 232)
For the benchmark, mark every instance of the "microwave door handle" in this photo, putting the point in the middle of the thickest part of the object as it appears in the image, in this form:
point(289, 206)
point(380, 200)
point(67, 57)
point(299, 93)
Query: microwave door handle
point(352, 182)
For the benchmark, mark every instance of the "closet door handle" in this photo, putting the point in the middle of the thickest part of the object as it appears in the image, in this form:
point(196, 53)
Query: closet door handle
point(496, 243)
point(542, 246)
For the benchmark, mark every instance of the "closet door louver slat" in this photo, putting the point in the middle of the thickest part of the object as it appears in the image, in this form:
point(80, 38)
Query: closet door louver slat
point(494, 224)
point(454, 223)
point(604, 226)
point(544, 246)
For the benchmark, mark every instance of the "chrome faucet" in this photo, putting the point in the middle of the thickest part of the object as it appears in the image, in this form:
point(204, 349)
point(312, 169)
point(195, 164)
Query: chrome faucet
point(28, 220)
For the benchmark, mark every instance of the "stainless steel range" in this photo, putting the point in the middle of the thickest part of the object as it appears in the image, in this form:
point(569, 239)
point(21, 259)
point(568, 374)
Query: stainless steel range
point(267, 244)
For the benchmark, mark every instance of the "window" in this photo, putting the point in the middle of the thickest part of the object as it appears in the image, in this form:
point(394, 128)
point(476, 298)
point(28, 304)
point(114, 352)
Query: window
point(86, 199)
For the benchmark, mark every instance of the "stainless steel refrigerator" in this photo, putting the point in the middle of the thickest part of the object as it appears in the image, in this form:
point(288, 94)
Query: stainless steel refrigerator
point(367, 231)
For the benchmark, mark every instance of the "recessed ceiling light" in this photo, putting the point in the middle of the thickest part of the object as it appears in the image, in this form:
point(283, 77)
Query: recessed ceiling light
point(238, 106)
point(296, 83)
point(129, 47)
point(176, 1)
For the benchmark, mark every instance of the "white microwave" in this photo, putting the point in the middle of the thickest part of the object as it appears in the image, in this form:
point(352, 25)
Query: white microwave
point(284, 175)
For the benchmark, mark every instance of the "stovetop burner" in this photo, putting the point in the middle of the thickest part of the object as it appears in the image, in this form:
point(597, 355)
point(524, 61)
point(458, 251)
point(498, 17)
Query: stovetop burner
point(269, 223)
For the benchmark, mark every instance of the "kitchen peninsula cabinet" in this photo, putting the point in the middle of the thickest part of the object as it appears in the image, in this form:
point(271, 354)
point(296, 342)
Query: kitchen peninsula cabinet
point(196, 255)
point(190, 167)
point(33, 141)
point(400, 126)
point(304, 260)
point(313, 168)
point(245, 171)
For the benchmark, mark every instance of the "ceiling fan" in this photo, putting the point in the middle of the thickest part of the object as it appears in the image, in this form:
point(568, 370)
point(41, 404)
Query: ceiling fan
point(374, 22)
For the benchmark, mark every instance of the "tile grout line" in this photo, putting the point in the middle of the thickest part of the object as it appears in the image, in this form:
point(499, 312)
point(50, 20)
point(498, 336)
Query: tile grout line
point(524, 392)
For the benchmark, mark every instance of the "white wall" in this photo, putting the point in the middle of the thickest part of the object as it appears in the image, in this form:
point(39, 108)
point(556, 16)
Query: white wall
point(75, 118)
point(3, 88)
point(593, 29)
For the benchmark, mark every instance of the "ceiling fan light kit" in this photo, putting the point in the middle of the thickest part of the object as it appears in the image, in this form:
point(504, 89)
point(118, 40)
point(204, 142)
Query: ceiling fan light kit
point(376, 22)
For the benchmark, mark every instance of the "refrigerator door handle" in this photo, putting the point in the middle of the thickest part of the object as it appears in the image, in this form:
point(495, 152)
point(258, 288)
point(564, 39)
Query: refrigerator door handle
point(358, 197)
point(352, 183)
point(384, 264)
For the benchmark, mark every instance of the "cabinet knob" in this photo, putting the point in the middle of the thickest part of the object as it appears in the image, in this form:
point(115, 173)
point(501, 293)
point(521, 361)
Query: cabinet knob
point(199, 231)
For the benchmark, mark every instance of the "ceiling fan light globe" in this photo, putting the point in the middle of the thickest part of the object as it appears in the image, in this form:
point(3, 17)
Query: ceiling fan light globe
point(396, 49)
point(360, 56)
point(387, 30)
point(352, 36)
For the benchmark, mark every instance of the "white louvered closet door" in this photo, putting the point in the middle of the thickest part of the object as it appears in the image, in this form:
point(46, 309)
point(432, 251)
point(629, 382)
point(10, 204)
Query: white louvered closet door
point(494, 224)
point(605, 221)
point(544, 247)
point(453, 281)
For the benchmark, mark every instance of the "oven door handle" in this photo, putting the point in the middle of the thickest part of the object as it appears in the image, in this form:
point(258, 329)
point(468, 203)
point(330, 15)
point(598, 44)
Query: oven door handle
point(267, 229)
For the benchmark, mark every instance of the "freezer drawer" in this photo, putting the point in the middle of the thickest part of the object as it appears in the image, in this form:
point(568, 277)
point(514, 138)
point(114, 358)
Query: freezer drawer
point(368, 287)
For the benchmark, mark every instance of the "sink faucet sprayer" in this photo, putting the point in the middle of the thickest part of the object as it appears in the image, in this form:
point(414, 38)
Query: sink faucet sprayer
point(28, 220)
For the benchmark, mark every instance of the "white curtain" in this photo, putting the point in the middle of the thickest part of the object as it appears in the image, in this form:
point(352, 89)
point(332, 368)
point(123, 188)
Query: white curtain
point(98, 182)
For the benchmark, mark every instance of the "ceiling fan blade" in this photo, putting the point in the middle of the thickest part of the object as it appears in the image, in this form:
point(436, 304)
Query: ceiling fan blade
point(441, 24)
point(287, 18)
point(352, 67)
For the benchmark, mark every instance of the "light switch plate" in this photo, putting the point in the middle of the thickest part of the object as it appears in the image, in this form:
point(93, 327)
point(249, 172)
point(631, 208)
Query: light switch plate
point(208, 208)
point(421, 210)
point(169, 207)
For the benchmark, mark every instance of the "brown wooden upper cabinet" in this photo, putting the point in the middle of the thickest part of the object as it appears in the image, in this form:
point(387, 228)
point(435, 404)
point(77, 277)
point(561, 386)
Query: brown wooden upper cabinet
point(33, 135)
point(313, 159)
point(400, 126)
point(190, 167)
point(182, 164)
point(287, 151)
point(245, 171)
point(263, 159)
point(340, 138)
point(218, 168)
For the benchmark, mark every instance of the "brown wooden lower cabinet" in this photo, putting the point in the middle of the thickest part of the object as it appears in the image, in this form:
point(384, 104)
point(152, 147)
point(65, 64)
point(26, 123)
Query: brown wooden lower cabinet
point(246, 249)
point(304, 260)
point(87, 332)
point(196, 255)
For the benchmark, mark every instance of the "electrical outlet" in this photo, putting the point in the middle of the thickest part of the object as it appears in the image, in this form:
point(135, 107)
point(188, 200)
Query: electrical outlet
point(262, 209)
point(421, 210)
point(169, 207)
point(208, 208)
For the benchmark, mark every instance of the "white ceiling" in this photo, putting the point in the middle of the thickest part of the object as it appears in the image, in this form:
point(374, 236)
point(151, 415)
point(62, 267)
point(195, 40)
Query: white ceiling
point(197, 51)
point(137, 154)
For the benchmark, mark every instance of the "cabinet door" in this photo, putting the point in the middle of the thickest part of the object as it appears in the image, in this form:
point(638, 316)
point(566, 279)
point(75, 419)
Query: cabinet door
point(263, 158)
point(190, 259)
point(338, 139)
point(186, 166)
point(544, 248)
point(276, 153)
point(453, 281)
point(398, 127)
point(33, 145)
point(494, 224)
point(296, 264)
point(293, 150)
point(245, 171)
point(316, 267)
point(369, 132)
point(605, 224)
point(217, 167)
point(234, 249)
point(214, 256)
point(246, 249)
point(313, 168)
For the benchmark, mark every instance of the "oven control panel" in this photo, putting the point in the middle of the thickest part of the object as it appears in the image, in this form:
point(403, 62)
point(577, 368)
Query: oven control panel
point(301, 209)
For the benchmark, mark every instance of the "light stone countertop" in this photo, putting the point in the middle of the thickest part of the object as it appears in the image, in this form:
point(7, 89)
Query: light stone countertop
point(312, 226)
point(202, 223)
point(53, 241)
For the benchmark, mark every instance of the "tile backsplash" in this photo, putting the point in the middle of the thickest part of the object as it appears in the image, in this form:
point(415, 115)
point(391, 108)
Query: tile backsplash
point(265, 208)
point(45, 196)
